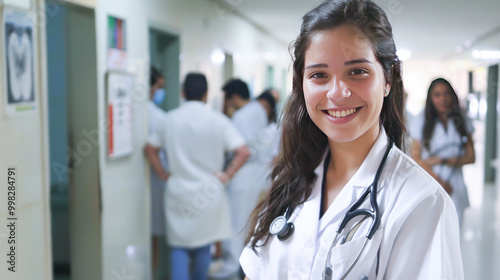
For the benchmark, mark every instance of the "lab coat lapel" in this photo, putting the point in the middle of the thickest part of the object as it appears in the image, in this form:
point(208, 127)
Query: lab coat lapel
point(366, 172)
point(362, 179)
point(305, 218)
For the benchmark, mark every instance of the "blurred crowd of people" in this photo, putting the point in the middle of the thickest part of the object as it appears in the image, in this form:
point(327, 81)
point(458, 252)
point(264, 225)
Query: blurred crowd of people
point(208, 171)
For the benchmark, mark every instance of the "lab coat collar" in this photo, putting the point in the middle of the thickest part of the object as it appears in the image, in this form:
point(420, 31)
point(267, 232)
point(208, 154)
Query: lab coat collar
point(366, 172)
point(355, 186)
point(194, 103)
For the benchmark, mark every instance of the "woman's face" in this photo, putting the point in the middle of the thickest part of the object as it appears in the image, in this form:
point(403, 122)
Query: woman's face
point(343, 84)
point(441, 97)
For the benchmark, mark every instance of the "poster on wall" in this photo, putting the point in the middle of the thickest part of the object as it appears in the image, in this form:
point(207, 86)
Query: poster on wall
point(117, 49)
point(119, 94)
point(19, 63)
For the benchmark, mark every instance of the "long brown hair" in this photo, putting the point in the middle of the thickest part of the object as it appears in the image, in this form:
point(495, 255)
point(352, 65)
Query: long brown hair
point(431, 115)
point(303, 144)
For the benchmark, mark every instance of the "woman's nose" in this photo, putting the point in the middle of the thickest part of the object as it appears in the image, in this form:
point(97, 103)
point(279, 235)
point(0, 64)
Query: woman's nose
point(338, 90)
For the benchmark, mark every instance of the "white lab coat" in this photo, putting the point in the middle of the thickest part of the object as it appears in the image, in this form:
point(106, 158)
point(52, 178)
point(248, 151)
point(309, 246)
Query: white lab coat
point(446, 143)
point(268, 141)
point(196, 207)
point(418, 236)
point(246, 185)
point(156, 116)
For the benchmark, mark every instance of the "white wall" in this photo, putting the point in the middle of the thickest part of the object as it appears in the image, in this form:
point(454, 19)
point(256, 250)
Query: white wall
point(24, 144)
point(202, 29)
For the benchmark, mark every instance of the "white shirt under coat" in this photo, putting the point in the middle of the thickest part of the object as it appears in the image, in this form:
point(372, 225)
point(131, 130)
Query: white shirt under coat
point(244, 188)
point(418, 236)
point(196, 207)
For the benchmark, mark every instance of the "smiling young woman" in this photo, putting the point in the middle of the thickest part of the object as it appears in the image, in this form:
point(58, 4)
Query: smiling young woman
point(342, 129)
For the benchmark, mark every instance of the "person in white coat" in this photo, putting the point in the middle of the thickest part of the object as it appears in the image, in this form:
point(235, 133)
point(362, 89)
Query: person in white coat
point(195, 139)
point(250, 117)
point(269, 137)
point(156, 115)
point(343, 127)
point(442, 142)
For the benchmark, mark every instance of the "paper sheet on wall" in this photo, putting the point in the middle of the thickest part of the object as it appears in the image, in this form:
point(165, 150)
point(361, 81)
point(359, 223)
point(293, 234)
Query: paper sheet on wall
point(19, 63)
point(120, 114)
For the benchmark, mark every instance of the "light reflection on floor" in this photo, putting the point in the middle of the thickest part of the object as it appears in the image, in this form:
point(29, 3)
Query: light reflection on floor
point(481, 229)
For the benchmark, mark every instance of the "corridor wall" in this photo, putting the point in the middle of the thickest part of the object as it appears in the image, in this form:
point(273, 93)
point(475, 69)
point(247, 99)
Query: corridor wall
point(203, 29)
point(25, 228)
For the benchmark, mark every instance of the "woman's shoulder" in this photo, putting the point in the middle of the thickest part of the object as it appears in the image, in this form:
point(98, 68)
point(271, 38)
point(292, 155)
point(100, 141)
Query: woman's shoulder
point(410, 186)
point(407, 177)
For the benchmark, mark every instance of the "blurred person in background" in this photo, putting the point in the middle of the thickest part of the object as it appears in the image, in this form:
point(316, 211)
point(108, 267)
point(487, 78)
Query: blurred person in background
point(442, 141)
point(195, 139)
point(250, 117)
point(270, 136)
point(156, 115)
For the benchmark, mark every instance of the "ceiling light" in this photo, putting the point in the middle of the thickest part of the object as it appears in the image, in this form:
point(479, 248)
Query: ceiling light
point(218, 57)
point(486, 54)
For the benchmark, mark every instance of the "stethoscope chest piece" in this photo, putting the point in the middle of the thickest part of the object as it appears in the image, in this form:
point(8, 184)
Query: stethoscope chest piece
point(281, 227)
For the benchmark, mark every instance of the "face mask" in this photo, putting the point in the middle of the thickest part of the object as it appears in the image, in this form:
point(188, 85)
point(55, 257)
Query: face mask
point(159, 96)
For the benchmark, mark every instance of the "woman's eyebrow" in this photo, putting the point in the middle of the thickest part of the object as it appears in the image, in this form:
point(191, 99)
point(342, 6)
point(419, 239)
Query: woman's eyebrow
point(355, 61)
point(316, 65)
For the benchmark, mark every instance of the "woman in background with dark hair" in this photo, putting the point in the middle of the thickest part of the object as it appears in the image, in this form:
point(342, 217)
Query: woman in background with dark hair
point(443, 142)
point(343, 128)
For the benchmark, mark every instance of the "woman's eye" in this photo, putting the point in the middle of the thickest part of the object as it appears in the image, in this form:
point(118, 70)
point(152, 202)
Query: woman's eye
point(358, 72)
point(318, 75)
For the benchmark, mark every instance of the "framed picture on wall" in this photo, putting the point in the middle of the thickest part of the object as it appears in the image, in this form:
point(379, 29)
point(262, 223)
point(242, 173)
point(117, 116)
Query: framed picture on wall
point(19, 62)
point(119, 87)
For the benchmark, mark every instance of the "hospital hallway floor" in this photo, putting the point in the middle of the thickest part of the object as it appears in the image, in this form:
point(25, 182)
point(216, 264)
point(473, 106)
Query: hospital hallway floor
point(480, 235)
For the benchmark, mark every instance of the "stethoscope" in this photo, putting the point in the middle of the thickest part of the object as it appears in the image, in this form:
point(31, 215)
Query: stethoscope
point(284, 229)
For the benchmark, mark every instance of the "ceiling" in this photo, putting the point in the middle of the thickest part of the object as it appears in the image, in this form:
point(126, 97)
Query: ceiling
point(430, 29)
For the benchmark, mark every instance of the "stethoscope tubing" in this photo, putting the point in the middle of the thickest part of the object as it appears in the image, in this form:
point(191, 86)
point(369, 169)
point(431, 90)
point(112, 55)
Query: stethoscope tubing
point(330, 250)
point(372, 190)
point(353, 211)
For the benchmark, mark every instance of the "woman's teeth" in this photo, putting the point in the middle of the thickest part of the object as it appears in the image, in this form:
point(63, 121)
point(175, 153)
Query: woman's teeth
point(342, 113)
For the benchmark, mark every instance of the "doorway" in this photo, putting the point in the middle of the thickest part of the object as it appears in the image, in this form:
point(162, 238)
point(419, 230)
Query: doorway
point(72, 107)
point(164, 52)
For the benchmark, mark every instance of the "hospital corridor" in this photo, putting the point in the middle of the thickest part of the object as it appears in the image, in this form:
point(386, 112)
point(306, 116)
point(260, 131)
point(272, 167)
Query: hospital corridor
point(138, 136)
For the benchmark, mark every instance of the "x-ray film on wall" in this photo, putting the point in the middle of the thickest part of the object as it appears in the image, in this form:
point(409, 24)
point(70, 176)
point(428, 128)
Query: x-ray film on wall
point(19, 62)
